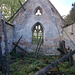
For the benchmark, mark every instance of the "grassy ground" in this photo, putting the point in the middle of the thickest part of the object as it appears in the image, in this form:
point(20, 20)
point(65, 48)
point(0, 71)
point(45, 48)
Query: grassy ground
point(28, 65)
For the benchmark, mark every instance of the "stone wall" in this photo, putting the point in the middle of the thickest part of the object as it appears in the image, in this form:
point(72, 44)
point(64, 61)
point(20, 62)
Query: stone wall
point(69, 36)
point(50, 20)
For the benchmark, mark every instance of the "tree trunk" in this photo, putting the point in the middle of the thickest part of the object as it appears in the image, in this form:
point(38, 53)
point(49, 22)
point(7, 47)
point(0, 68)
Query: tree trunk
point(6, 49)
point(1, 57)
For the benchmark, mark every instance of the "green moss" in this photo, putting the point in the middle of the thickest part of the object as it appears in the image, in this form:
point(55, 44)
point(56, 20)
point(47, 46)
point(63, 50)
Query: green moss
point(0, 73)
point(72, 69)
point(64, 66)
point(28, 65)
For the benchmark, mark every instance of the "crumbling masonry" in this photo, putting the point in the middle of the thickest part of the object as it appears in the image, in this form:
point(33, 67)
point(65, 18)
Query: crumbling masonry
point(40, 18)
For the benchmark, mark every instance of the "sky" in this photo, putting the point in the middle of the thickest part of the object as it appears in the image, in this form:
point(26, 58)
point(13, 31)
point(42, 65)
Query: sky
point(63, 6)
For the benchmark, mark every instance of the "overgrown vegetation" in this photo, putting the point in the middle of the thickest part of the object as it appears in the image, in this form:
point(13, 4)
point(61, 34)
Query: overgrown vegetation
point(25, 65)
point(70, 18)
point(9, 7)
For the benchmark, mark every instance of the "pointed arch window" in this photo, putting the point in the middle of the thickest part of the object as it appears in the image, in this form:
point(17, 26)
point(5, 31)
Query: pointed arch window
point(38, 11)
point(37, 33)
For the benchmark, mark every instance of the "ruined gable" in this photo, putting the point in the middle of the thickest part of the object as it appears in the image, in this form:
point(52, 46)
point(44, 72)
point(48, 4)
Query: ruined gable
point(40, 18)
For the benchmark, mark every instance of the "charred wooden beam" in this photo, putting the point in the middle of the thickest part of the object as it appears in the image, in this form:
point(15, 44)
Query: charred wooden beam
point(16, 45)
point(64, 73)
point(14, 14)
point(17, 11)
point(6, 49)
point(21, 5)
point(61, 51)
point(38, 47)
point(12, 25)
point(62, 45)
point(2, 61)
point(70, 59)
point(40, 43)
point(51, 66)
point(21, 49)
point(1, 56)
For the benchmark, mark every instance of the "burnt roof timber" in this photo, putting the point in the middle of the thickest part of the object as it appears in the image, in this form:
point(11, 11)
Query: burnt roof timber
point(54, 64)
point(22, 5)
point(17, 11)
point(9, 24)
point(68, 25)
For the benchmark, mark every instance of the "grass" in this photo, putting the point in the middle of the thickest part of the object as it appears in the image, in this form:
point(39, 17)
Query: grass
point(72, 69)
point(29, 65)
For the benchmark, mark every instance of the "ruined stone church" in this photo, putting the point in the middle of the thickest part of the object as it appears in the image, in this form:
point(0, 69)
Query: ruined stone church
point(39, 19)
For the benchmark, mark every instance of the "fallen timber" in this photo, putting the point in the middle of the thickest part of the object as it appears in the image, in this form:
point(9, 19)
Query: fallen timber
point(17, 11)
point(63, 50)
point(16, 45)
point(22, 5)
point(1, 56)
point(6, 48)
point(21, 48)
point(61, 73)
point(51, 66)
point(38, 47)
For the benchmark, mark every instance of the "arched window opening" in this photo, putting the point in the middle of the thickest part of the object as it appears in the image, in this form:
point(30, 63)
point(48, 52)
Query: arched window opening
point(37, 33)
point(38, 11)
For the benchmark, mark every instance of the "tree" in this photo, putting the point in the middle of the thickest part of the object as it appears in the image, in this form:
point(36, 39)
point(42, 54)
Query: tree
point(72, 12)
point(9, 7)
point(70, 18)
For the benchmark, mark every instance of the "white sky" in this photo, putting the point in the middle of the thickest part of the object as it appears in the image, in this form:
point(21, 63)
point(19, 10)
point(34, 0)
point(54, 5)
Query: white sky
point(63, 6)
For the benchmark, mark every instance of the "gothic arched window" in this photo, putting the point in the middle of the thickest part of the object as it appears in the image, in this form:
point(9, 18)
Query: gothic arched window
point(37, 33)
point(38, 11)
